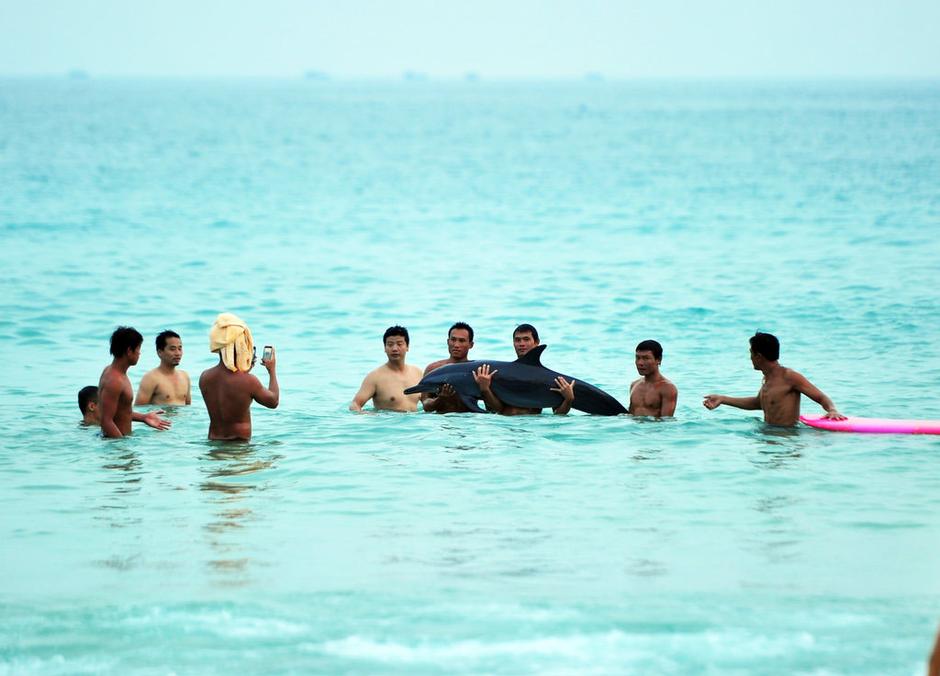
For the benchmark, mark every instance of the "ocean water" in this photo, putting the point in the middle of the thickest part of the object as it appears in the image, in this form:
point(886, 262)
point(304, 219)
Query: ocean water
point(604, 213)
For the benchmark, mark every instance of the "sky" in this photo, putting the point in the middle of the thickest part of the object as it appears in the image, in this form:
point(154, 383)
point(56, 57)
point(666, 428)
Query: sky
point(492, 38)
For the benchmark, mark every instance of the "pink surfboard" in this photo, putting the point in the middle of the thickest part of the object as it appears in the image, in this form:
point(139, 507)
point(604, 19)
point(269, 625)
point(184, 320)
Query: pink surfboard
point(873, 425)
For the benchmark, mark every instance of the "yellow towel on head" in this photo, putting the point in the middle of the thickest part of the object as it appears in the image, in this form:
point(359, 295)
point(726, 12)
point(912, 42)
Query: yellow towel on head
point(231, 338)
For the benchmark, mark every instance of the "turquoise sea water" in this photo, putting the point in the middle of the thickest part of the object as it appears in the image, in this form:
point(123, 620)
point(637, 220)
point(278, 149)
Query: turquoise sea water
point(603, 213)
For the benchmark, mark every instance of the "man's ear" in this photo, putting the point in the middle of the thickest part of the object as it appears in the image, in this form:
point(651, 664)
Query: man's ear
point(92, 405)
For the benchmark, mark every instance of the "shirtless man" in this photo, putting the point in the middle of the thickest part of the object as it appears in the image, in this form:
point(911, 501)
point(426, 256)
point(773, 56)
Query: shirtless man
point(166, 384)
point(652, 394)
point(115, 393)
point(228, 388)
point(385, 385)
point(779, 395)
point(459, 342)
point(88, 405)
point(524, 338)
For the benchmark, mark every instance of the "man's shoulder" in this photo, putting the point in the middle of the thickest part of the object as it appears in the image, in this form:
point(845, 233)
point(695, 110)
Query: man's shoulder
point(668, 385)
point(436, 365)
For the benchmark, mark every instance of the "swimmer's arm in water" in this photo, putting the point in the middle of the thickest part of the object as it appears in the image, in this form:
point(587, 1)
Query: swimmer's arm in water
point(269, 396)
point(669, 401)
point(566, 390)
point(151, 419)
point(713, 401)
point(484, 378)
point(189, 391)
point(109, 394)
point(365, 393)
point(148, 386)
point(799, 383)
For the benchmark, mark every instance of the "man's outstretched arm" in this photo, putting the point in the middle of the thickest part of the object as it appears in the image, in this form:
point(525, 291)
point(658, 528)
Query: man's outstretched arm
point(713, 401)
point(151, 419)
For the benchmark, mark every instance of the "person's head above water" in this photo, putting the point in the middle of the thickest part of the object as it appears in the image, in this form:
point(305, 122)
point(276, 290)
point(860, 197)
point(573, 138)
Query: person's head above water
point(231, 338)
point(126, 341)
point(651, 346)
point(524, 338)
point(163, 336)
point(648, 355)
point(88, 405)
point(766, 346)
point(396, 341)
point(169, 347)
point(396, 331)
point(459, 340)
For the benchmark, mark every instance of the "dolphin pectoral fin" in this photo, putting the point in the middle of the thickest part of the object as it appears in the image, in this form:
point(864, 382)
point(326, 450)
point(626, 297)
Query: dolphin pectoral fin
point(471, 403)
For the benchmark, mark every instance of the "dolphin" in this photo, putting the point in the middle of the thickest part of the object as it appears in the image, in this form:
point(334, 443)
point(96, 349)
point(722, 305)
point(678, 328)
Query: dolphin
point(524, 383)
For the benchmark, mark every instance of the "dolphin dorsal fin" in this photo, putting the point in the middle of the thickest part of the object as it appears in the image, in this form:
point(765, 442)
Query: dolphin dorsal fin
point(533, 356)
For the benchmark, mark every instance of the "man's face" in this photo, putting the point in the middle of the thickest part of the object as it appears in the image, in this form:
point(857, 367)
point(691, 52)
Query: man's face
point(94, 413)
point(459, 344)
point(755, 360)
point(172, 352)
point(523, 342)
point(646, 363)
point(133, 355)
point(396, 348)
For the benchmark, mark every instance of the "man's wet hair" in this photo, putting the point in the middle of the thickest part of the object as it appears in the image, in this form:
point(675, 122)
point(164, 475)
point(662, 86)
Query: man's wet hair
point(87, 395)
point(526, 328)
point(123, 339)
point(461, 325)
point(397, 331)
point(766, 345)
point(163, 335)
point(651, 346)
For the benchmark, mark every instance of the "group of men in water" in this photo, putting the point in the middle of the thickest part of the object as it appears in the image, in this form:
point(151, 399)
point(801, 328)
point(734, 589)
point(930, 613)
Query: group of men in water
point(228, 388)
point(652, 394)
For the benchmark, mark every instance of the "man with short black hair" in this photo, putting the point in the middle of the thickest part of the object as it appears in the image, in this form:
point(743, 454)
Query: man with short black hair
point(459, 343)
point(524, 338)
point(115, 393)
point(386, 384)
point(652, 394)
point(779, 395)
point(88, 405)
point(166, 384)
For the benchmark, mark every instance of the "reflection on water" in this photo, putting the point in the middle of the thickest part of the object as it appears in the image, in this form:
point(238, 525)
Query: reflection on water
point(232, 470)
point(125, 476)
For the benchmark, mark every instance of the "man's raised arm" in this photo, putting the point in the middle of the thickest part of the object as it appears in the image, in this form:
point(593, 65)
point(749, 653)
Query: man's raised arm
point(484, 378)
point(270, 396)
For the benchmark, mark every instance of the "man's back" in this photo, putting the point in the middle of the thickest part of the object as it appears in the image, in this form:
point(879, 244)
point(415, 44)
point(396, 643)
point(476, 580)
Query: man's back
point(228, 397)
